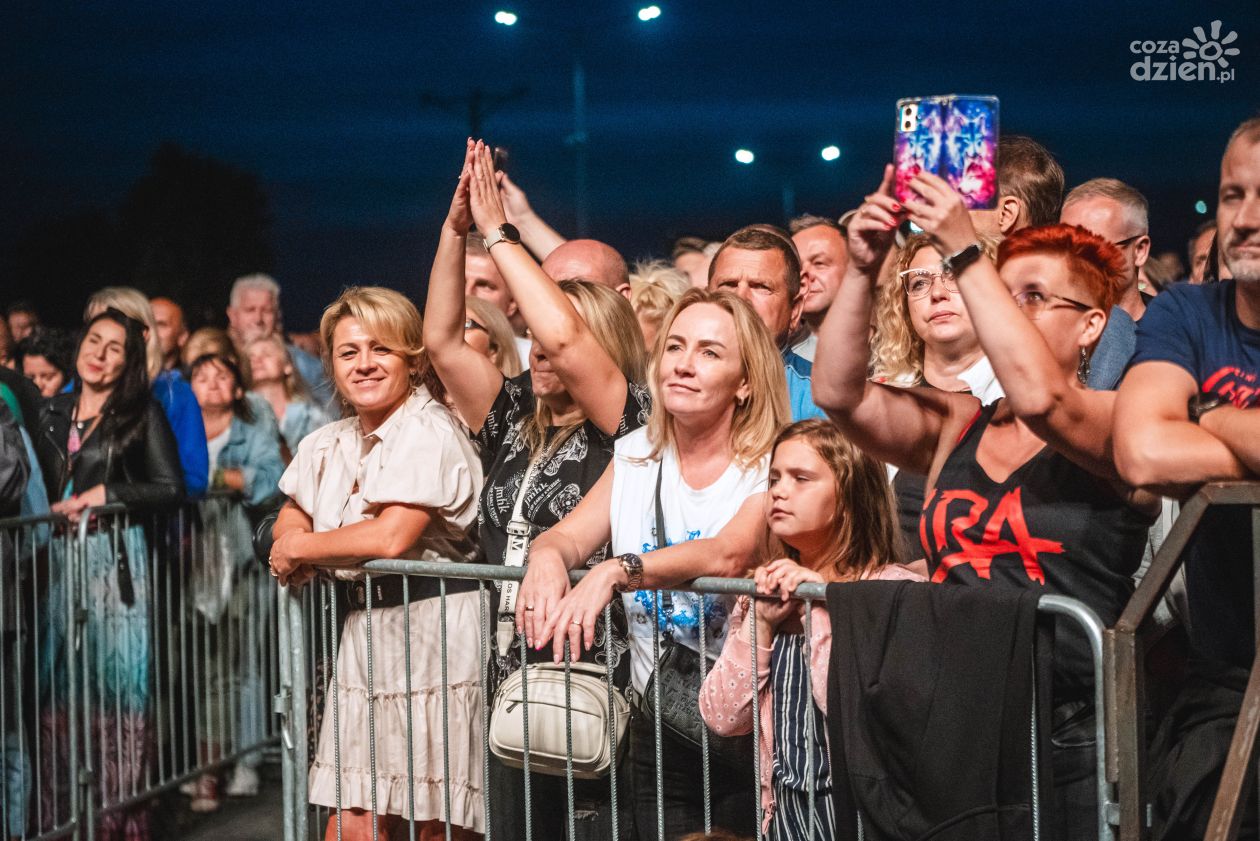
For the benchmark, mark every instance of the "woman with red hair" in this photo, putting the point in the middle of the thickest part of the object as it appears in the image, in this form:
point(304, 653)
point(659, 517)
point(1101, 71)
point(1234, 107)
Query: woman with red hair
point(1022, 493)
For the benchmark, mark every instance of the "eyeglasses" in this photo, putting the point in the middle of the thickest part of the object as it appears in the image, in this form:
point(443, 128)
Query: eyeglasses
point(469, 324)
point(1125, 243)
point(1034, 303)
point(918, 282)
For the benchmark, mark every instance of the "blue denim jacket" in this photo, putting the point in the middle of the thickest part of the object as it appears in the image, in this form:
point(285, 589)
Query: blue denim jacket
point(256, 452)
point(301, 418)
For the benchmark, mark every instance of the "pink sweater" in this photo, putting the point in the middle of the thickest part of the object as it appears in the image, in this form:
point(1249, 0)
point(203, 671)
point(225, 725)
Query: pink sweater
point(726, 696)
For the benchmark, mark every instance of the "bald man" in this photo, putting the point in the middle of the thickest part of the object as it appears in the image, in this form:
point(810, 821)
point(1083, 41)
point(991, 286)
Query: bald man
point(589, 259)
point(171, 329)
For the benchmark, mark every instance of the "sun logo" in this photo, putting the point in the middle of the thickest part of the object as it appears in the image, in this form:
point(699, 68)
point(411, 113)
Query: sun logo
point(1210, 49)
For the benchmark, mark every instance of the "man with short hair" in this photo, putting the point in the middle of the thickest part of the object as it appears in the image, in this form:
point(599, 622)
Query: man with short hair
point(172, 332)
point(589, 259)
point(759, 263)
point(692, 256)
point(1199, 251)
point(1030, 188)
point(254, 311)
point(1188, 412)
point(482, 279)
point(1117, 213)
point(824, 255)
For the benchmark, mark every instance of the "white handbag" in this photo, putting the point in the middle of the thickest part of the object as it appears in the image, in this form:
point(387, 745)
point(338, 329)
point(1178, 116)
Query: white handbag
point(548, 722)
point(548, 739)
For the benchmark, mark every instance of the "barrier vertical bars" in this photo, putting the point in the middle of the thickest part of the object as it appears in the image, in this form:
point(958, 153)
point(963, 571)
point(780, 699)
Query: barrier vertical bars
point(656, 723)
point(612, 724)
point(529, 816)
point(756, 714)
point(334, 693)
point(284, 707)
point(811, 724)
point(446, 713)
point(411, 735)
point(568, 736)
point(705, 770)
point(371, 691)
point(483, 631)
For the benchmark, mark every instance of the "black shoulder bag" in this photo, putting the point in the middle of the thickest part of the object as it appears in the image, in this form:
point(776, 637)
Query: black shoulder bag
point(679, 673)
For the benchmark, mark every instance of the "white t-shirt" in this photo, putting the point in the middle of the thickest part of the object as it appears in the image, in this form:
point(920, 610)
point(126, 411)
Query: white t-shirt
point(690, 514)
point(523, 346)
point(216, 444)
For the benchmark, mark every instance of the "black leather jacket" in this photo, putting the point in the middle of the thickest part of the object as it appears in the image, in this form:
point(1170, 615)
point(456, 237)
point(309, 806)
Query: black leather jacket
point(145, 475)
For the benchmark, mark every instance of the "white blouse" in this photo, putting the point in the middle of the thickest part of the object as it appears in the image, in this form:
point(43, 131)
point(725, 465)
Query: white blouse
point(421, 456)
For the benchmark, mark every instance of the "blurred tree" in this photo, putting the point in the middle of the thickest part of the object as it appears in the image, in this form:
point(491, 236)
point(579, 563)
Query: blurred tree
point(191, 225)
point(57, 263)
point(186, 229)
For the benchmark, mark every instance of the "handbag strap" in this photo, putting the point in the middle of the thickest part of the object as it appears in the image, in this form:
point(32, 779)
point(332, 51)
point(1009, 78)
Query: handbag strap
point(515, 555)
point(667, 601)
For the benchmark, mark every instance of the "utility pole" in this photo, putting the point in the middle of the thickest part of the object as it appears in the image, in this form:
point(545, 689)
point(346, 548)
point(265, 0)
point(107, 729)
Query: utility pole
point(477, 105)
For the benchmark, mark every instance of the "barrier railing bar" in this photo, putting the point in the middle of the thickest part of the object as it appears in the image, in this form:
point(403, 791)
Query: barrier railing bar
point(1125, 651)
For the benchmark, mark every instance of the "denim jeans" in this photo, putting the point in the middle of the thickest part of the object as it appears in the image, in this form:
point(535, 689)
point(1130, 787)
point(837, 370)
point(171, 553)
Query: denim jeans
point(733, 793)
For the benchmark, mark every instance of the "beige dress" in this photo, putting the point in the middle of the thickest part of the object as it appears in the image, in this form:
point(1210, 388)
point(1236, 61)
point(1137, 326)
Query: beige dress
point(420, 456)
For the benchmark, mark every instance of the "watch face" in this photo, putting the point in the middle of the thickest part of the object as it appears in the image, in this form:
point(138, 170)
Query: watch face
point(509, 232)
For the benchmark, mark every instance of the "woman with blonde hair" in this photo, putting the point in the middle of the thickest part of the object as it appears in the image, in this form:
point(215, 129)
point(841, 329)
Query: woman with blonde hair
point(719, 399)
point(168, 386)
point(276, 380)
point(356, 491)
point(923, 337)
point(213, 341)
point(546, 435)
point(655, 286)
point(487, 329)
point(830, 518)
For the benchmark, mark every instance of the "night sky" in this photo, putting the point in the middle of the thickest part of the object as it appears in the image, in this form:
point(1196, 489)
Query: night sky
point(325, 103)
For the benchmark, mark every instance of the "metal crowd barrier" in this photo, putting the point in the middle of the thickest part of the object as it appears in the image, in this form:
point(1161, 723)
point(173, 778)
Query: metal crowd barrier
point(310, 630)
point(119, 687)
point(1126, 646)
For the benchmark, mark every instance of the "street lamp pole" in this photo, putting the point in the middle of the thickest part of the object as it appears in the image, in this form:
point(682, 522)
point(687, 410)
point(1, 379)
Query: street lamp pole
point(578, 141)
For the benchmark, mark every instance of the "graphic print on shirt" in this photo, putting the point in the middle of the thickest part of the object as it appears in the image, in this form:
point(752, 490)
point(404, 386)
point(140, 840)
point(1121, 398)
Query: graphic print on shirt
point(1241, 388)
point(683, 620)
point(955, 514)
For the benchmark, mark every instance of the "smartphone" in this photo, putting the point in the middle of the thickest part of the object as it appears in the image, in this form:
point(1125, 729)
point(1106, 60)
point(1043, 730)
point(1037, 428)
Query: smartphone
point(501, 157)
point(955, 137)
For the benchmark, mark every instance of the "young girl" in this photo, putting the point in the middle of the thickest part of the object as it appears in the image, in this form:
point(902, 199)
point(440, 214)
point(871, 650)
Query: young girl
point(829, 509)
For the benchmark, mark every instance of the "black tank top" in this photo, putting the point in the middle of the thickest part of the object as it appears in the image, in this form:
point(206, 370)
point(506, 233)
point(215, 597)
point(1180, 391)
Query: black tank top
point(1050, 525)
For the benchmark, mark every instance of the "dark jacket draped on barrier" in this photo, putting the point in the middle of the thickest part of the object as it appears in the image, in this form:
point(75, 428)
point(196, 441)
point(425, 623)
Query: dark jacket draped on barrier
point(929, 700)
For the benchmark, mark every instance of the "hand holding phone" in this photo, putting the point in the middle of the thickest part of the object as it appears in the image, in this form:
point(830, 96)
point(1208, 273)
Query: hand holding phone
point(954, 137)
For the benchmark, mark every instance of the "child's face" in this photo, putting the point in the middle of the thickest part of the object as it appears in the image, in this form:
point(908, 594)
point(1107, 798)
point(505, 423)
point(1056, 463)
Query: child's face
point(802, 496)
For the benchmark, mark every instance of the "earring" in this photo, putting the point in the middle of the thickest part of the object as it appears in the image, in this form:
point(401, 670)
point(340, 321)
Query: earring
point(1082, 368)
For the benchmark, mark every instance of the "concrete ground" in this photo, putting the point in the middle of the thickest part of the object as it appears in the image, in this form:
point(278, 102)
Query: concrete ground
point(238, 819)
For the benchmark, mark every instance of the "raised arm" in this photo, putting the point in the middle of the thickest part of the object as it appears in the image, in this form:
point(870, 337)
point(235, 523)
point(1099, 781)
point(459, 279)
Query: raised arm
point(593, 380)
point(901, 426)
point(1158, 447)
point(1074, 420)
point(540, 238)
point(472, 380)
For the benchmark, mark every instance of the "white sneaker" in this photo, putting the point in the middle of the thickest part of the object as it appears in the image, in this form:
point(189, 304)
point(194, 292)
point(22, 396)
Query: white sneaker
point(244, 782)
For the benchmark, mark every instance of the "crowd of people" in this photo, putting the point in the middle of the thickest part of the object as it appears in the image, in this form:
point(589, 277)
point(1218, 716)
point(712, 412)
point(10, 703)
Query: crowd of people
point(1011, 398)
